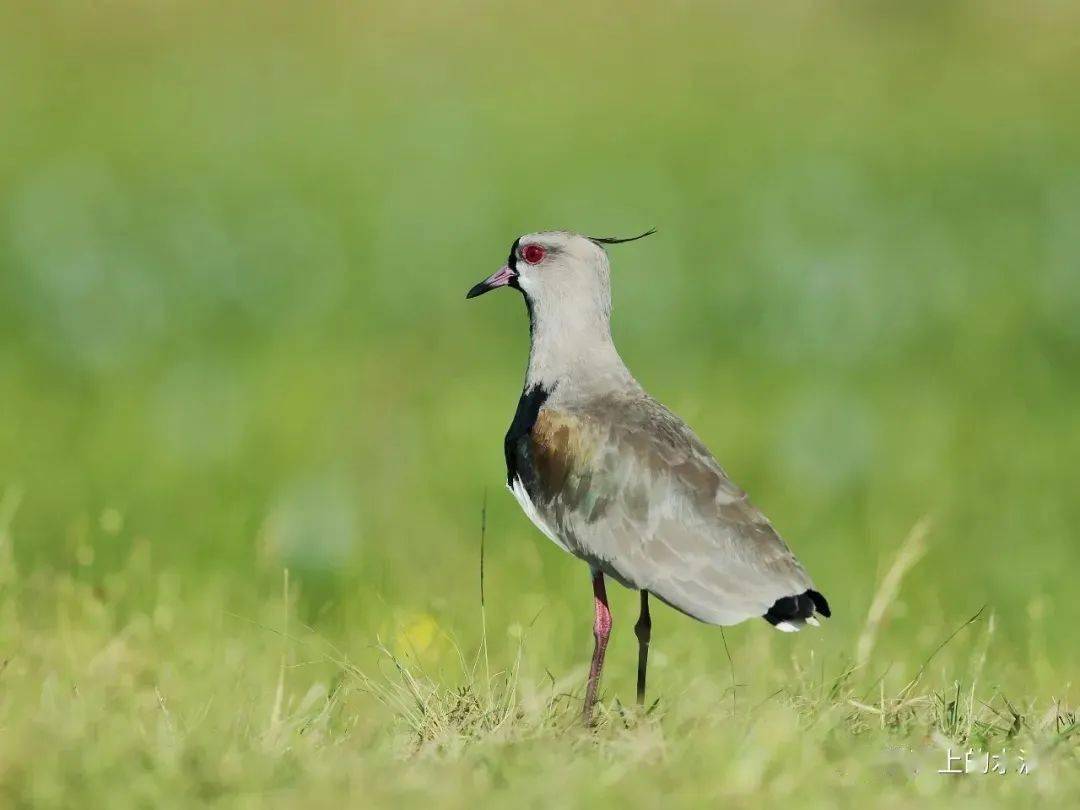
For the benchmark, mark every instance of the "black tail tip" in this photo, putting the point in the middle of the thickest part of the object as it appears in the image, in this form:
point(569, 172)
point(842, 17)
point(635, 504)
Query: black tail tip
point(821, 604)
point(797, 609)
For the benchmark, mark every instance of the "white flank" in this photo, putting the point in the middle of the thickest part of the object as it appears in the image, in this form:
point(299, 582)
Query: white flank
point(526, 504)
point(787, 627)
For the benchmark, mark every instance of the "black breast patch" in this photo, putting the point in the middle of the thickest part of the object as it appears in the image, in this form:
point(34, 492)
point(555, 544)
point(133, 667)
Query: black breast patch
point(516, 444)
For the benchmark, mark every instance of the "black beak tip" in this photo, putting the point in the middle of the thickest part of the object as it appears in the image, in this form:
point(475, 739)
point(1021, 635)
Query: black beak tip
point(479, 289)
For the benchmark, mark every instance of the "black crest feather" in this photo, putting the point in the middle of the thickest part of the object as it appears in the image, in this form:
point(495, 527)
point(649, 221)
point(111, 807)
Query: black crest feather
point(614, 240)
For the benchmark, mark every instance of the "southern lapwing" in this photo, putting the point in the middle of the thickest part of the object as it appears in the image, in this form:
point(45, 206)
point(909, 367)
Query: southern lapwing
point(615, 478)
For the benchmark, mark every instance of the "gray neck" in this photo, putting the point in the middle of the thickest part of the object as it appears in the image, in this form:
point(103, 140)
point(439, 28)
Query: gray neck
point(572, 350)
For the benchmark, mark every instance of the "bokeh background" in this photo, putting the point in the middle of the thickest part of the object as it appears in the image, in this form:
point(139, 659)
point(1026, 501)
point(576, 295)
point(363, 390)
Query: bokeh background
point(235, 242)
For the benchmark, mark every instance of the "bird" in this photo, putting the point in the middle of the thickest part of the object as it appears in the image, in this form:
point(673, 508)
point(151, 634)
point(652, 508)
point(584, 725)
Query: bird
point(612, 476)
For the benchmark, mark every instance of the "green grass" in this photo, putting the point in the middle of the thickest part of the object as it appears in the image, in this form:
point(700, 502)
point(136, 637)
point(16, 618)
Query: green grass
point(234, 245)
point(187, 701)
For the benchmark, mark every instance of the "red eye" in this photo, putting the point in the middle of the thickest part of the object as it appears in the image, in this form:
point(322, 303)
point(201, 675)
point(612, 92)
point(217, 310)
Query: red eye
point(533, 254)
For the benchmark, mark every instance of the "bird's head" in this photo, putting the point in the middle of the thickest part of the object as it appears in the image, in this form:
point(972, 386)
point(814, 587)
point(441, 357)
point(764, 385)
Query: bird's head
point(556, 267)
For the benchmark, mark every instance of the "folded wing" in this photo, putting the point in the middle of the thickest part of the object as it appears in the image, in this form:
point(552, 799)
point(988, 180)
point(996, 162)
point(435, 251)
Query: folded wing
point(627, 486)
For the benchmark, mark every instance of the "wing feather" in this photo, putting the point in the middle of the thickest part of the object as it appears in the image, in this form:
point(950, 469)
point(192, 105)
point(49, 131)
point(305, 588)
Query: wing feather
point(628, 487)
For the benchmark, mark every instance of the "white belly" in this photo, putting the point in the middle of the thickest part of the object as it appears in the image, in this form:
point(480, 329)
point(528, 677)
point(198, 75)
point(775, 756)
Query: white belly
point(526, 504)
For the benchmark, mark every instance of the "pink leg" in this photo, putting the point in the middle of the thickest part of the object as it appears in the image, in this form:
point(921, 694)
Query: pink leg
point(601, 632)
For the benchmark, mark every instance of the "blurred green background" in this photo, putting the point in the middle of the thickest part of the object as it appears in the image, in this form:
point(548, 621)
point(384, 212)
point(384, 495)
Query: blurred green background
point(235, 242)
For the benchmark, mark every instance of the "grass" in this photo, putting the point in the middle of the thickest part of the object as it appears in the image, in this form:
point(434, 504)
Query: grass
point(234, 245)
point(182, 701)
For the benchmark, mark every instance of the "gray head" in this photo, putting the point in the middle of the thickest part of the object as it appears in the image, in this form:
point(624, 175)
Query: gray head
point(552, 266)
point(566, 281)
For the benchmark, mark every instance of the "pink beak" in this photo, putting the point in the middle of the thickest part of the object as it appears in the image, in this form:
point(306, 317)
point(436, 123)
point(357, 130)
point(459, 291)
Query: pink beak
point(500, 278)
